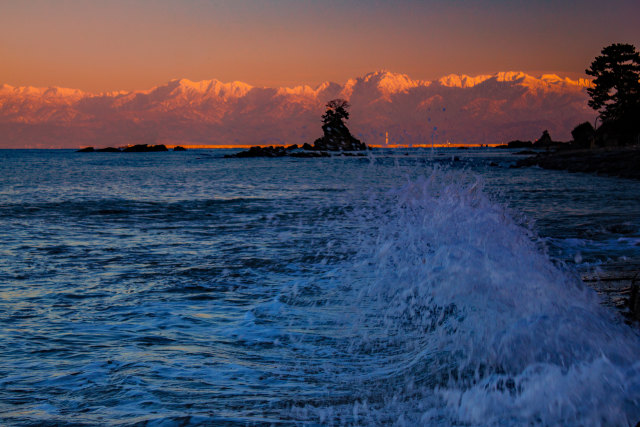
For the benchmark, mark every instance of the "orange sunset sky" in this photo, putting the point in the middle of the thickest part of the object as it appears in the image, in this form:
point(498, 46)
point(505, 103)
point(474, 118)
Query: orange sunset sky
point(126, 45)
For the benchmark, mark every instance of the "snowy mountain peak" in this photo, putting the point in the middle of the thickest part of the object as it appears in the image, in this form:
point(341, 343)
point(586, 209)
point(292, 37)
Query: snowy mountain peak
point(385, 82)
point(462, 80)
point(212, 87)
point(482, 109)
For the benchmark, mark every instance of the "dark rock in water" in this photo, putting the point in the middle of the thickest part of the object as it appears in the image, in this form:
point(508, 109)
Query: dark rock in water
point(546, 142)
point(493, 164)
point(619, 286)
point(179, 148)
point(336, 138)
point(336, 135)
point(257, 151)
point(310, 154)
point(144, 148)
point(633, 302)
point(517, 144)
point(140, 148)
point(622, 162)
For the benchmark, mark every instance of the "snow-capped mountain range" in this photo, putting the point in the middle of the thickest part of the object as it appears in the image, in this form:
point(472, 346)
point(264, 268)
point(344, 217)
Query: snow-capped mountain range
point(458, 108)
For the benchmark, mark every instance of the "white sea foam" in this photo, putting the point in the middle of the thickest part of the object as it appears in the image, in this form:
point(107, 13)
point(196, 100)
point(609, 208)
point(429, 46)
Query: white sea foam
point(456, 315)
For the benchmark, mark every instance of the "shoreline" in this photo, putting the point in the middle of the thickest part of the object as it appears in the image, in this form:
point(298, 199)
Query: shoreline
point(623, 162)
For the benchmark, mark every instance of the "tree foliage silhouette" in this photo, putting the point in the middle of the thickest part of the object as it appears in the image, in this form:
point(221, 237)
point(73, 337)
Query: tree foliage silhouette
point(336, 135)
point(616, 90)
point(336, 112)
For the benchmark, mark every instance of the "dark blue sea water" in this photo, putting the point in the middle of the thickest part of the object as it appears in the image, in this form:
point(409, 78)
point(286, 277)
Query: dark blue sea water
point(404, 288)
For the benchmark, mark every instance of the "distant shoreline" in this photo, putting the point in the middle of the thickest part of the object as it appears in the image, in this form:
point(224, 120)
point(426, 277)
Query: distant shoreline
point(623, 162)
point(244, 147)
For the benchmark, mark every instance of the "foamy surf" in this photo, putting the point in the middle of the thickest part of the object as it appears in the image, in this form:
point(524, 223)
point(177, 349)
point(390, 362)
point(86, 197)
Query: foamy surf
point(352, 291)
point(455, 314)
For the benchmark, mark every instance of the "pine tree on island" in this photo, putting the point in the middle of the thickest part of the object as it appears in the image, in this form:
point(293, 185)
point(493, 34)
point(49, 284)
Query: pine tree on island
point(336, 134)
point(336, 138)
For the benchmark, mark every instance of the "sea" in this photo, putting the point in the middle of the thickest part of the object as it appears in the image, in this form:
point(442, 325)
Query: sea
point(411, 286)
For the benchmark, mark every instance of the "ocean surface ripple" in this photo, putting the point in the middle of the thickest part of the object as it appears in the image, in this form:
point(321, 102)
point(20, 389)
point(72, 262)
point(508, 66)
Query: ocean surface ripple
point(412, 287)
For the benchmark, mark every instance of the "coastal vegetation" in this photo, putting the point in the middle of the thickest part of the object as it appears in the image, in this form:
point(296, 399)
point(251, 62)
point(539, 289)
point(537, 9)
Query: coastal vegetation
point(613, 148)
point(616, 93)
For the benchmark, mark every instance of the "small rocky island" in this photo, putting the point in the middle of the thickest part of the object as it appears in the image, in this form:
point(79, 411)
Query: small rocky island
point(336, 138)
point(138, 148)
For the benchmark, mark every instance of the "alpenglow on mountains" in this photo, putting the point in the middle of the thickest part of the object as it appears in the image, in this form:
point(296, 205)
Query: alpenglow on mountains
point(457, 108)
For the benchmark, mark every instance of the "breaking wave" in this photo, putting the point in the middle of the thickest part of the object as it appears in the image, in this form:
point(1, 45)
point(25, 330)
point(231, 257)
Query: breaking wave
point(452, 312)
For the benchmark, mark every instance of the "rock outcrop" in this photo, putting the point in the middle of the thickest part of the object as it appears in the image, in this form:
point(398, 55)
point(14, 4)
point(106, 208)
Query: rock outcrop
point(139, 148)
point(623, 162)
point(336, 138)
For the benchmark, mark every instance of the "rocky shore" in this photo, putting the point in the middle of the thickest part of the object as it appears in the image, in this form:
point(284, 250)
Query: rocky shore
point(618, 284)
point(623, 162)
point(305, 151)
point(138, 148)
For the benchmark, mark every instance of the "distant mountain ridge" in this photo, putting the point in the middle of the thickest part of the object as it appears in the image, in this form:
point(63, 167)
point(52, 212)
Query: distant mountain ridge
point(480, 109)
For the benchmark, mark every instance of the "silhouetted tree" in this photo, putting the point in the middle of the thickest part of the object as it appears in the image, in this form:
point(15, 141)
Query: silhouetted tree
point(336, 135)
point(616, 90)
point(336, 112)
point(583, 135)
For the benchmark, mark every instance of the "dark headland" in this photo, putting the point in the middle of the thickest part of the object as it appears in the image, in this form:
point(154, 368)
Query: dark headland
point(613, 148)
point(623, 162)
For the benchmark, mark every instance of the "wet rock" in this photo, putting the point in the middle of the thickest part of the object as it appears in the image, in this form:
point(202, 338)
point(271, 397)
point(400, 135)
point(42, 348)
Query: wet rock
point(85, 150)
point(108, 150)
point(179, 148)
point(633, 302)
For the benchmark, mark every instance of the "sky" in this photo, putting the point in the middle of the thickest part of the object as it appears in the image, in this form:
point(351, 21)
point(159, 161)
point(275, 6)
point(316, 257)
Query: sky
point(100, 46)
